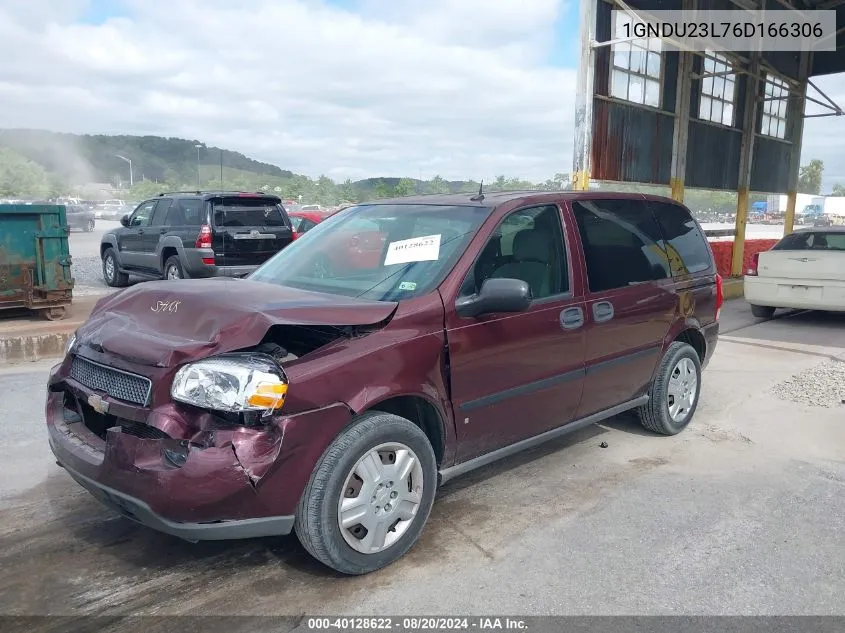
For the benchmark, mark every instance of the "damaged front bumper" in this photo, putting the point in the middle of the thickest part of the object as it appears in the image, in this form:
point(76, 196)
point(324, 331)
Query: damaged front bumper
point(171, 469)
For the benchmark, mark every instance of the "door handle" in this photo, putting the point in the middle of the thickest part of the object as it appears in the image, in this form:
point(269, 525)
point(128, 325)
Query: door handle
point(602, 311)
point(140, 231)
point(571, 318)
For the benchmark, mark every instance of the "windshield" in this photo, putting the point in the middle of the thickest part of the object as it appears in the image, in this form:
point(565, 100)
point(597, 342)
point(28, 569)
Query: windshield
point(244, 211)
point(812, 240)
point(379, 252)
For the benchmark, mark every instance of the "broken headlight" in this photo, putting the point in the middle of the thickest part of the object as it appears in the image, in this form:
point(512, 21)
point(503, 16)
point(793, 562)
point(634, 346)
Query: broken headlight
point(237, 383)
point(70, 343)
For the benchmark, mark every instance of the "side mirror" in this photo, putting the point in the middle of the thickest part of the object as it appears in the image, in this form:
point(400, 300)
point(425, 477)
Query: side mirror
point(496, 295)
point(125, 221)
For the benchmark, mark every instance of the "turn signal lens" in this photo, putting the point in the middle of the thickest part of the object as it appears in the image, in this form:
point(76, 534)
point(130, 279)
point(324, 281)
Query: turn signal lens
point(268, 395)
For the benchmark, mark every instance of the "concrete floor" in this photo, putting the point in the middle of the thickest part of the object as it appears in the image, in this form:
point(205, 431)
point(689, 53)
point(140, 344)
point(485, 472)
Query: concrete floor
point(743, 513)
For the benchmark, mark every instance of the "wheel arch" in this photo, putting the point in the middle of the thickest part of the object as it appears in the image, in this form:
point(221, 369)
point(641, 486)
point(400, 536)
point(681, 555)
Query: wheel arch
point(420, 410)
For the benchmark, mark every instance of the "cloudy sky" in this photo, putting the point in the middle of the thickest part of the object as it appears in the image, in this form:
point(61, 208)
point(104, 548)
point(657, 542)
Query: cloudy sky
point(349, 88)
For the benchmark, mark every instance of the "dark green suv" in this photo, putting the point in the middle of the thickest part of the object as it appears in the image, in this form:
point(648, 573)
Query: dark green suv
point(196, 234)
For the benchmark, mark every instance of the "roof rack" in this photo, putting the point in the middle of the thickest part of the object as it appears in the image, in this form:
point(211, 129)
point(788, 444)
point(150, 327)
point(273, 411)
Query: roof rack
point(196, 192)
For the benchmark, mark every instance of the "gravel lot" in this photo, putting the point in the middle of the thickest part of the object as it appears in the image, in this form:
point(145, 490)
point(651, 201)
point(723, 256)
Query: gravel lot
point(86, 268)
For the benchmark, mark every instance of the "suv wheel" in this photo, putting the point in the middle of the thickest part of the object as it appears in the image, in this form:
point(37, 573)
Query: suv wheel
point(369, 495)
point(89, 227)
point(673, 396)
point(173, 268)
point(111, 271)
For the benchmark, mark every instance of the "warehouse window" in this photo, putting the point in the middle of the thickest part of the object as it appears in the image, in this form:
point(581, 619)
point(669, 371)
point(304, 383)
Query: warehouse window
point(718, 90)
point(635, 72)
point(776, 98)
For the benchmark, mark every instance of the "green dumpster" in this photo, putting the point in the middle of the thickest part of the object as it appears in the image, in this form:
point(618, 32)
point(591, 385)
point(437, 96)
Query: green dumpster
point(35, 259)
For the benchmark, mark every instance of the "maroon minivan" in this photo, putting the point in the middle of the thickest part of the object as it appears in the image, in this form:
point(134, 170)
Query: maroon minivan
point(334, 403)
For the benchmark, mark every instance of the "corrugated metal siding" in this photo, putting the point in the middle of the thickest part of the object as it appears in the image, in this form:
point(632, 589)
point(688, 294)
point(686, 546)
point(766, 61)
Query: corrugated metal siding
point(631, 144)
point(770, 169)
point(712, 156)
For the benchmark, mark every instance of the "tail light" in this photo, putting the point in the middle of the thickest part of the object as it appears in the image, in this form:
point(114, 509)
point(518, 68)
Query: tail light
point(755, 262)
point(720, 294)
point(293, 235)
point(204, 241)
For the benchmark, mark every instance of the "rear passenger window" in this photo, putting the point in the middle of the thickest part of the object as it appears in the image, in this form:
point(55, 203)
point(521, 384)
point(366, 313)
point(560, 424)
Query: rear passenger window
point(687, 246)
point(190, 212)
point(622, 243)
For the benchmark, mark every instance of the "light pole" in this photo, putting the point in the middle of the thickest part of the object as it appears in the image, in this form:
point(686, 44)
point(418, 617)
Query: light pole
point(131, 178)
point(199, 185)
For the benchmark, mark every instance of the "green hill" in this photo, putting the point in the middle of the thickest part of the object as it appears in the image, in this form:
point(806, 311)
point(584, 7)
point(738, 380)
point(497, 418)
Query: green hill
point(38, 163)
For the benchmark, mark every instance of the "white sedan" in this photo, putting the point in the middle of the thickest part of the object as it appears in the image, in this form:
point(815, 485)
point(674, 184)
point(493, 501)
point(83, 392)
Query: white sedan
point(805, 270)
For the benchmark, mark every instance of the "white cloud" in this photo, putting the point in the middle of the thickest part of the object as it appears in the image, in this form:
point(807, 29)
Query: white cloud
point(401, 87)
point(823, 135)
point(456, 87)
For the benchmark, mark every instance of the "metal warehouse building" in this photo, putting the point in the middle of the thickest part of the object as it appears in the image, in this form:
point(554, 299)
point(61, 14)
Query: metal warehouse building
point(682, 118)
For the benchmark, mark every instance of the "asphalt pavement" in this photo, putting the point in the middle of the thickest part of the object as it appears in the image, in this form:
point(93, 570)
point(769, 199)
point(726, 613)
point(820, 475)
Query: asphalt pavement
point(743, 513)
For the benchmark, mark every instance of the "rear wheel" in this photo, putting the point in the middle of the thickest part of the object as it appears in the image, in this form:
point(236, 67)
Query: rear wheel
point(673, 396)
point(89, 227)
point(111, 272)
point(762, 312)
point(369, 495)
point(173, 268)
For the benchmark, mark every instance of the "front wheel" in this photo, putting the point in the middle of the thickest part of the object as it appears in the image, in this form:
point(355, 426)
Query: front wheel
point(111, 270)
point(673, 396)
point(369, 495)
point(762, 312)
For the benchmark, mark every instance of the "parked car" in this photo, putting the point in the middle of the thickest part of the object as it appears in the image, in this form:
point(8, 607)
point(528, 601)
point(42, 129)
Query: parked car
point(184, 235)
point(335, 406)
point(79, 217)
point(804, 270)
point(303, 221)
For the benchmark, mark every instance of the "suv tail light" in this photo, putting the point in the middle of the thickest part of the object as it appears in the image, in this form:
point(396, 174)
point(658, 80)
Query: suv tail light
point(755, 263)
point(204, 241)
point(720, 294)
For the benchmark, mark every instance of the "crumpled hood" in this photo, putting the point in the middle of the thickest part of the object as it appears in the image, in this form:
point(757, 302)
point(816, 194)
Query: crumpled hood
point(165, 323)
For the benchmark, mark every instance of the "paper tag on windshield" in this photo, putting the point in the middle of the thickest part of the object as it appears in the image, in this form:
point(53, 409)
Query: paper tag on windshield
point(418, 249)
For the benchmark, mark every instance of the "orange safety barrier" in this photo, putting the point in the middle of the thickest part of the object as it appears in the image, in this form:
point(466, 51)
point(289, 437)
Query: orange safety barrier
point(723, 253)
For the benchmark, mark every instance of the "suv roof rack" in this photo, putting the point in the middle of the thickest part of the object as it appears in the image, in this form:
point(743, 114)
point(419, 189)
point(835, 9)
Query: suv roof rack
point(196, 192)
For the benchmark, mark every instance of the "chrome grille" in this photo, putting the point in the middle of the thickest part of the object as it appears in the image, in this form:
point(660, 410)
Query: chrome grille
point(118, 384)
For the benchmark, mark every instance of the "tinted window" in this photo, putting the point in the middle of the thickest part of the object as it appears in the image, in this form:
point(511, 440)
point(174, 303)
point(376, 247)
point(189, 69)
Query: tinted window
point(244, 211)
point(377, 251)
point(186, 212)
point(622, 243)
point(161, 211)
point(688, 250)
point(812, 240)
point(141, 216)
point(528, 245)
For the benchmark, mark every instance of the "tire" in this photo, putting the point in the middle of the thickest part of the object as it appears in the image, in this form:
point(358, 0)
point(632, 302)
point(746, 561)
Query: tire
point(89, 227)
point(115, 278)
point(655, 415)
point(317, 518)
point(173, 268)
point(762, 312)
